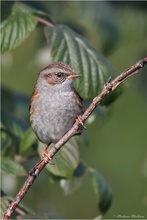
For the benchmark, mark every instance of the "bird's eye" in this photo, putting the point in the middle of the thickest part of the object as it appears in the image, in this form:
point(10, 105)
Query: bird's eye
point(59, 75)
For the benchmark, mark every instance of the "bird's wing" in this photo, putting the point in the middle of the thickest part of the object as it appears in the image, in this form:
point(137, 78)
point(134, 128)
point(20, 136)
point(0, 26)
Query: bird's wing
point(79, 100)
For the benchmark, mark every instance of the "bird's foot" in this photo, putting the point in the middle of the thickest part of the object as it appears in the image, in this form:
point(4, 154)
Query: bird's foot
point(46, 157)
point(79, 121)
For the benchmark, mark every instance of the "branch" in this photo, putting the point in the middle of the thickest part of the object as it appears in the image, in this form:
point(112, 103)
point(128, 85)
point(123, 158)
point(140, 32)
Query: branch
point(76, 128)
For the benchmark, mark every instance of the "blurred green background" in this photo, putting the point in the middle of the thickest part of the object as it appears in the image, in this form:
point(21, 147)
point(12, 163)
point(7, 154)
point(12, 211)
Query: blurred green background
point(118, 141)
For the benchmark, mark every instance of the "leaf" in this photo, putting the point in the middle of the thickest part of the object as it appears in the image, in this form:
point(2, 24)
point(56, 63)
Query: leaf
point(16, 27)
point(18, 22)
point(12, 131)
point(27, 140)
point(4, 205)
point(100, 28)
point(43, 15)
point(16, 103)
point(80, 170)
point(66, 160)
point(68, 46)
point(69, 186)
point(102, 191)
point(8, 166)
point(6, 142)
point(12, 125)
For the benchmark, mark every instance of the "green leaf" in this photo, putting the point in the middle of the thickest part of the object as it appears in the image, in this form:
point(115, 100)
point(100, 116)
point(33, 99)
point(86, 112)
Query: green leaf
point(12, 129)
point(43, 15)
point(18, 22)
point(16, 103)
point(68, 46)
point(8, 166)
point(27, 140)
point(80, 170)
point(12, 125)
point(6, 142)
point(66, 160)
point(16, 27)
point(100, 28)
point(69, 186)
point(4, 205)
point(102, 191)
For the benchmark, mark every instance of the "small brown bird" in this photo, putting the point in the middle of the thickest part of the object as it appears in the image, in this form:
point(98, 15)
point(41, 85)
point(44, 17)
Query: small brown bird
point(55, 104)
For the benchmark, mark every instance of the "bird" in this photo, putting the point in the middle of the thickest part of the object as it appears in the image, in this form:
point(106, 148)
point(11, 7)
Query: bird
point(55, 104)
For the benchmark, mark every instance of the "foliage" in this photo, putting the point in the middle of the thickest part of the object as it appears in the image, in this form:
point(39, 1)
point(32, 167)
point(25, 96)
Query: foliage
point(72, 48)
point(65, 44)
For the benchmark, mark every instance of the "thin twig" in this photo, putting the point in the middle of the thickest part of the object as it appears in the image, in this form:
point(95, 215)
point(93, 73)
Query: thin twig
point(76, 128)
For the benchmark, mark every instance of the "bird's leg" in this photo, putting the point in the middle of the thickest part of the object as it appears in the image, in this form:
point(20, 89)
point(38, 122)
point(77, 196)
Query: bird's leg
point(44, 152)
point(45, 155)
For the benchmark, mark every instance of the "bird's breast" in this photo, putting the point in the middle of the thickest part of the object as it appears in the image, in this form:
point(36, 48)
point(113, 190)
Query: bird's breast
point(54, 115)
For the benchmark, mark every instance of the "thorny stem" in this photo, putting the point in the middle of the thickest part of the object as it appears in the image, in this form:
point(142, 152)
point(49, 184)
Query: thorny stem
point(109, 86)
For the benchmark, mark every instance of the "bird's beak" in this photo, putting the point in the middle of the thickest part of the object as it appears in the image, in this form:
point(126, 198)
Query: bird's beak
point(74, 75)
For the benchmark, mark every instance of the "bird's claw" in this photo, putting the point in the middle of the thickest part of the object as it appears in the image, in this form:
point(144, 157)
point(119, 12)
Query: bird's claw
point(79, 121)
point(46, 157)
